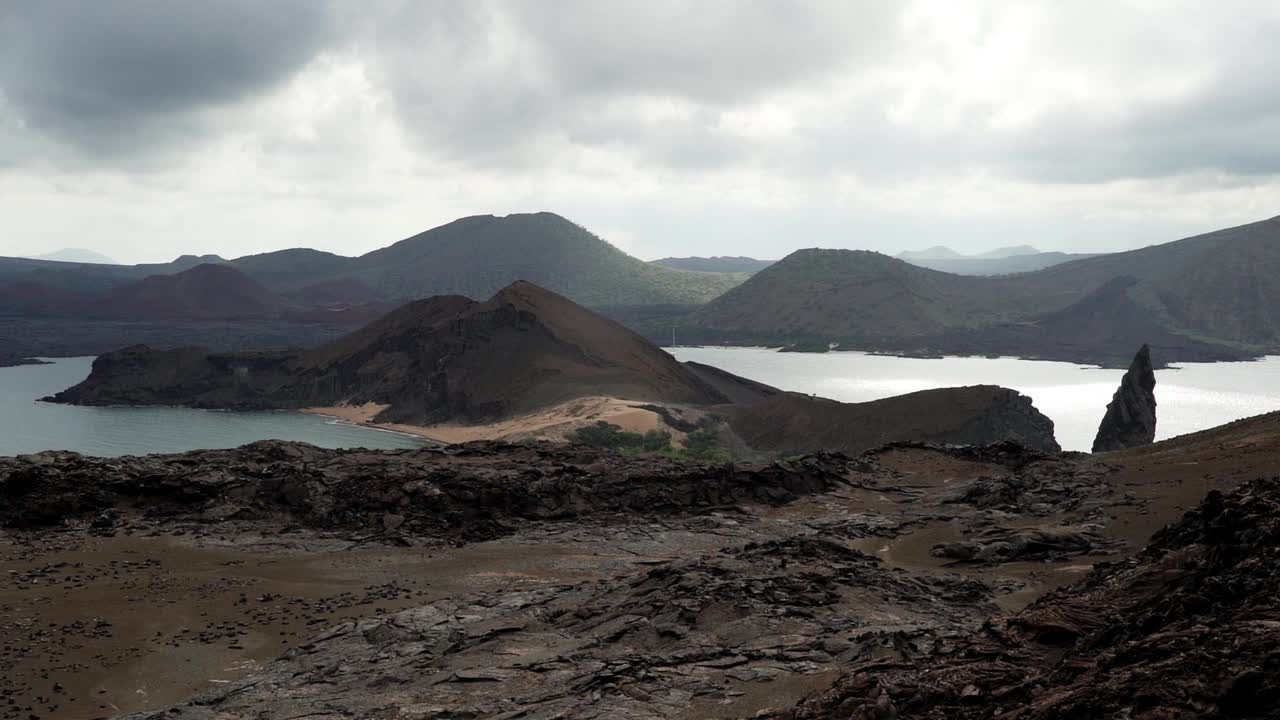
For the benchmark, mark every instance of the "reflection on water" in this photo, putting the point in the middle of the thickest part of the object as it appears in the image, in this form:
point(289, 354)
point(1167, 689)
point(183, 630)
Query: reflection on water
point(1191, 397)
point(30, 426)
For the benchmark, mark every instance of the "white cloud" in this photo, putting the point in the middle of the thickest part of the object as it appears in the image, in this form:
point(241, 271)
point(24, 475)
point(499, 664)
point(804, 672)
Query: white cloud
point(710, 128)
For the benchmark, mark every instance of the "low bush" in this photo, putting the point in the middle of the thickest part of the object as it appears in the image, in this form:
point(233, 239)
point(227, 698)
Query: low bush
point(608, 435)
point(701, 445)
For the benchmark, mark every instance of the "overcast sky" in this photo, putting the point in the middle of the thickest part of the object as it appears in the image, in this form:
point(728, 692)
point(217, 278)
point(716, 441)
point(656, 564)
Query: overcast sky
point(148, 128)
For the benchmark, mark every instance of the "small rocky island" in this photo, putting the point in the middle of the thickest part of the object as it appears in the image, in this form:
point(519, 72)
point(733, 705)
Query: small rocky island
point(1131, 415)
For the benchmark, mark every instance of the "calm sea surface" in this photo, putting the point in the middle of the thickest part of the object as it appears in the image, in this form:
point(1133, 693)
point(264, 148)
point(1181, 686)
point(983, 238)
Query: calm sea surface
point(1191, 397)
point(29, 426)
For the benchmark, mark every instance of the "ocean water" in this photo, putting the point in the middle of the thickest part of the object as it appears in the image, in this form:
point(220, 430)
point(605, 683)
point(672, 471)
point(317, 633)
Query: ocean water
point(27, 425)
point(1189, 397)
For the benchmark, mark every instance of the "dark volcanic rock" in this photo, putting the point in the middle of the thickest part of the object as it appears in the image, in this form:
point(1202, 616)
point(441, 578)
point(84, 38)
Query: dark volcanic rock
point(1188, 628)
point(465, 492)
point(683, 639)
point(192, 377)
point(975, 415)
point(1131, 415)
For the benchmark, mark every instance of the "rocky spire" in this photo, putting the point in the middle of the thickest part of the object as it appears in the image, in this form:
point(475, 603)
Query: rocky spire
point(1131, 415)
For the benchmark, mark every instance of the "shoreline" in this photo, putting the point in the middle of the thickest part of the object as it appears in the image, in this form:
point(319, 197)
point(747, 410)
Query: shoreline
point(549, 424)
point(1078, 361)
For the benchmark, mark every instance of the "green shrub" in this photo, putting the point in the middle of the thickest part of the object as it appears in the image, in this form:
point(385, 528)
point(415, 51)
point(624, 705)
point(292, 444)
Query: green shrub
point(608, 435)
point(604, 435)
point(701, 441)
point(656, 441)
point(702, 445)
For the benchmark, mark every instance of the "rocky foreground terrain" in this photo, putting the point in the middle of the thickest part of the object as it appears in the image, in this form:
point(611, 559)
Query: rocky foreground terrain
point(537, 581)
point(1189, 627)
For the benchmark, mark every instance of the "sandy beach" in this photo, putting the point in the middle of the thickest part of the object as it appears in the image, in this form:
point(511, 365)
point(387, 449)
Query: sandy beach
point(553, 423)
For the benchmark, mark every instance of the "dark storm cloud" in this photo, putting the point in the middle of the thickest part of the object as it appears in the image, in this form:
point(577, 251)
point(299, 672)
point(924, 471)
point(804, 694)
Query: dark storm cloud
point(522, 85)
point(115, 76)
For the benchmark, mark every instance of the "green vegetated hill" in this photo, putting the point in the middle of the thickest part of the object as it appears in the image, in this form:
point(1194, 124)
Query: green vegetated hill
point(853, 294)
point(473, 256)
point(476, 256)
point(293, 270)
point(1208, 297)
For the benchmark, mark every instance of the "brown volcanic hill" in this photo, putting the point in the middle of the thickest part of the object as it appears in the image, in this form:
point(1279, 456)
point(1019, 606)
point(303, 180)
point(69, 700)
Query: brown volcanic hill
point(523, 349)
point(203, 292)
point(795, 423)
point(444, 358)
point(392, 333)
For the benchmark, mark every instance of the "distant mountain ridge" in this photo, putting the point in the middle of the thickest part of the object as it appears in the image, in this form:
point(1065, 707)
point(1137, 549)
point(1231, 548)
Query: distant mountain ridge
point(718, 263)
point(75, 255)
point(1009, 251)
point(942, 252)
point(937, 252)
point(473, 256)
point(1210, 297)
point(1001, 261)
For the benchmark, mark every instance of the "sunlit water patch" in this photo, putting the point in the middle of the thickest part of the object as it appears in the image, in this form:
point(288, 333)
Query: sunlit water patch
point(1190, 397)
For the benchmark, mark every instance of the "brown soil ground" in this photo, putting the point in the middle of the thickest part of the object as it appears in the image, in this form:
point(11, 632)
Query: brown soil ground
point(99, 626)
point(96, 625)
